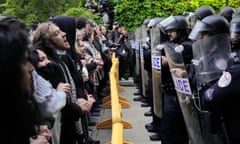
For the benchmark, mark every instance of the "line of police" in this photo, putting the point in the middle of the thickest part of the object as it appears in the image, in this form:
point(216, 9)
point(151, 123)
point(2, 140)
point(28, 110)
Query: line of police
point(193, 75)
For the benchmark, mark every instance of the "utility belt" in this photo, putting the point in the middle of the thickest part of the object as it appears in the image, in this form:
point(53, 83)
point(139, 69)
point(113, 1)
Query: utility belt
point(169, 88)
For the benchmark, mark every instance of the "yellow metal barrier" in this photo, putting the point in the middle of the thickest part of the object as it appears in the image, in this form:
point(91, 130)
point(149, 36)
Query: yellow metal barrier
point(116, 107)
point(122, 100)
point(117, 134)
point(114, 58)
point(115, 102)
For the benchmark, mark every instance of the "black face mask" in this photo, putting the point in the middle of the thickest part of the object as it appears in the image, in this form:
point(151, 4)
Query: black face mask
point(44, 70)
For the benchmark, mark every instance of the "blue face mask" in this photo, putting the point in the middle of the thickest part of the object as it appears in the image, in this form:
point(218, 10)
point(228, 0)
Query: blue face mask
point(61, 52)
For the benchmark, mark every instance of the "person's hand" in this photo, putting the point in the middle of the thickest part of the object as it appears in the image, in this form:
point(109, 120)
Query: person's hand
point(45, 131)
point(84, 62)
point(84, 105)
point(91, 98)
point(113, 49)
point(116, 44)
point(99, 67)
point(178, 72)
point(64, 87)
point(38, 140)
point(99, 62)
point(164, 60)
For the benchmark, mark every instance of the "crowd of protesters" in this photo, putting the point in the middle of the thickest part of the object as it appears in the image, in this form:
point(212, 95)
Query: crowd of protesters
point(56, 72)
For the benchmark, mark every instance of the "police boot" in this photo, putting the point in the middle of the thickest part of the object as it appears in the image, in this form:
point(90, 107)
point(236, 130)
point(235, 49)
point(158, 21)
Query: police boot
point(138, 98)
point(151, 128)
point(137, 93)
point(155, 137)
point(149, 113)
point(145, 105)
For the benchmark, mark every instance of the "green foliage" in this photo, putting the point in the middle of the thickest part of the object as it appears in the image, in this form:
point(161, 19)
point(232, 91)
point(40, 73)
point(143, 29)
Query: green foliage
point(131, 13)
point(77, 12)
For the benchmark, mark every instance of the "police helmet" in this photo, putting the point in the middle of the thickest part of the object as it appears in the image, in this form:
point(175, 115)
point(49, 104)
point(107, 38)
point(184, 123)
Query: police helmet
point(211, 25)
point(227, 12)
point(174, 23)
point(203, 11)
point(154, 21)
point(146, 21)
point(235, 30)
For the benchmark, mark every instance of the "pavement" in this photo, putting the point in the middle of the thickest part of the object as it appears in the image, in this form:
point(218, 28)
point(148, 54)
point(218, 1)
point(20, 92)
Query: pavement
point(134, 115)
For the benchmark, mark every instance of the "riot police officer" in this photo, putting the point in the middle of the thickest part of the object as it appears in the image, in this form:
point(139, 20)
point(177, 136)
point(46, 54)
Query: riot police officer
point(154, 92)
point(199, 14)
point(173, 129)
point(217, 77)
point(139, 93)
point(235, 39)
point(227, 12)
point(204, 11)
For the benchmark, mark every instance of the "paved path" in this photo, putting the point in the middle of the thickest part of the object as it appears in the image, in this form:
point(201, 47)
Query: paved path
point(135, 115)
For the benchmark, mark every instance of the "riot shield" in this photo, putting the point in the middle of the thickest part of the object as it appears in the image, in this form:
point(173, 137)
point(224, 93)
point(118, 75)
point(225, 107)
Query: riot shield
point(184, 92)
point(210, 58)
point(143, 73)
point(156, 71)
point(137, 45)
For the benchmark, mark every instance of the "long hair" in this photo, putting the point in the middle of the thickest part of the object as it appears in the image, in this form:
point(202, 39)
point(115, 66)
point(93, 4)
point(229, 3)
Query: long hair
point(42, 38)
point(21, 119)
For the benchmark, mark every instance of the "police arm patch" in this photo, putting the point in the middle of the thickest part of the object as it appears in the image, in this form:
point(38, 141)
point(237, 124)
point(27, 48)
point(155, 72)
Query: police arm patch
point(179, 48)
point(225, 79)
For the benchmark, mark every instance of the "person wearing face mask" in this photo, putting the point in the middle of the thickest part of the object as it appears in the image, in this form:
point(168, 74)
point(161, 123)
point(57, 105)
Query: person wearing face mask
point(50, 100)
point(49, 38)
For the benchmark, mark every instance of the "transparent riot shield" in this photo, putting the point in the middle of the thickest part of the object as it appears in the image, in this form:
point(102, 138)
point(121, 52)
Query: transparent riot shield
point(138, 38)
point(210, 58)
point(143, 72)
point(156, 71)
point(184, 92)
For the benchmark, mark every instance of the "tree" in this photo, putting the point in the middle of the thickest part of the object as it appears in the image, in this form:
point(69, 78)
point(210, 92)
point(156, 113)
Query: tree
point(130, 13)
point(40, 10)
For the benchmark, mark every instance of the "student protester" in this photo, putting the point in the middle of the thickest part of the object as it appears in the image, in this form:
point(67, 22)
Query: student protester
point(67, 24)
point(50, 100)
point(49, 38)
point(15, 74)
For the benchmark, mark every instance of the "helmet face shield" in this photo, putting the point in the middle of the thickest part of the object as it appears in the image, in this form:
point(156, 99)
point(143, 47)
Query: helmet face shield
point(235, 38)
point(235, 33)
point(197, 30)
point(192, 20)
point(166, 23)
point(235, 28)
point(211, 57)
point(151, 23)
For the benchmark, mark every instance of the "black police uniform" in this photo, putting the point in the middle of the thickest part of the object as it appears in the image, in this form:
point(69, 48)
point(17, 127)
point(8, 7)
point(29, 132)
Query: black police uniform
point(155, 124)
point(223, 102)
point(217, 85)
point(173, 129)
